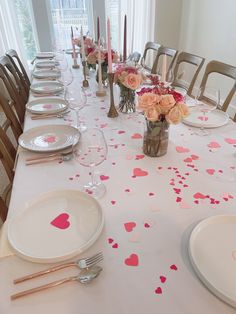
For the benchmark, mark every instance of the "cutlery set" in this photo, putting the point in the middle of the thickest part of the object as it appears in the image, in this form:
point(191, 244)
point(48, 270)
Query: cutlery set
point(49, 115)
point(89, 271)
point(62, 156)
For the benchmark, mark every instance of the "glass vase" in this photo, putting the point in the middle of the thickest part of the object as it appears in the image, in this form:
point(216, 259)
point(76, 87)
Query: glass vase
point(104, 75)
point(156, 137)
point(127, 100)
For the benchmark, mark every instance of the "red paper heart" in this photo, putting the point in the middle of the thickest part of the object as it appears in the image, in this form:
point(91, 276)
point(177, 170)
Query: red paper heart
point(132, 260)
point(50, 139)
point(230, 140)
point(158, 290)
point(115, 246)
point(138, 172)
point(136, 136)
point(146, 225)
point(188, 159)
point(121, 132)
point(139, 157)
point(210, 171)
point(129, 226)
point(214, 145)
point(110, 240)
point(178, 199)
point(61, 221)
point(113, 202)
point(195, 157)
point(173, 267)
point(163, 279)
point(181, 149)
point(103, 178)
point(199, 195)
point(151, 194)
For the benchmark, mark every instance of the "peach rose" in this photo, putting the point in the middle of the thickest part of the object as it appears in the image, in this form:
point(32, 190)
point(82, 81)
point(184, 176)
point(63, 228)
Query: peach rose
point(184, 109)
point(132, 81)
point(88, 42)
point(152, 114)
point(174, 116)
point(92, 58)
point(166, 103)
point(147, 100)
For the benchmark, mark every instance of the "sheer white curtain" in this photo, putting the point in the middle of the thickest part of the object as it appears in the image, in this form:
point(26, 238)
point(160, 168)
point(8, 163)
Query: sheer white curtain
point(10, 35)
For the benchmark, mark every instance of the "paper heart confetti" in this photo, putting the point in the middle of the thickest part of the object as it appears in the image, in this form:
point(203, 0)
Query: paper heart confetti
point(181, 149)
point(121, 132)
point(110, 240)
point(129, 226)
point(61, 221)
point(230, 140)
point(210, 171)
point(103, 178)
point(138, 172)
point(139, 157)
point(194, 157)
point(214, 145)
point(132, 260)
point(136, 136)
point(199, 195)
point(188, 159)
point(173, 267)
point(162, 279)
point(115, 246)
point(158, 290)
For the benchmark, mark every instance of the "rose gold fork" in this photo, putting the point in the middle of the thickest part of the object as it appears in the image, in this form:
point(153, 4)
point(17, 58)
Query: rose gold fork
point(81, 263)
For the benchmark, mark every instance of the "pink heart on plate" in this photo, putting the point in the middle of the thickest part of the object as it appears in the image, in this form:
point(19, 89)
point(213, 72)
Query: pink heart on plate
point(203, 118)
point(181, 149)
point(214, 145)
point(132, 260)
point(129, 226)
point(61, 221)
point(210, 171)
point(136, 136)
point(230, 140)
point(103, 178)
point(138, 172)
point(50, 139)
point(48, 106)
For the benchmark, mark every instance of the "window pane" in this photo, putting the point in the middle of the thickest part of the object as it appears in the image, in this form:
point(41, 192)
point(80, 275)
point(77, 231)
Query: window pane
point(112, 10)
point(25, 25)
point(67, 13)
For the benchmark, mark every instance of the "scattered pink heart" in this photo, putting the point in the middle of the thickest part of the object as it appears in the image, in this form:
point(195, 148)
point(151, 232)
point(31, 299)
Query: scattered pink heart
point(163, 279)
point(210, 171)
point(230, 140)
point(138, 172)
point(132, 260)
point(61, 221)
point(173, 267)
point(214, 145)
point(129, 226)
point(158, 290)
point(139, 157)
point(136, 136)
point(181, 149)
point(103, 178)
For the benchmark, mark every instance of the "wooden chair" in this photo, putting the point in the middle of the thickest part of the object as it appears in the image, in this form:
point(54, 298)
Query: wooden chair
point(225, 70)
point(12, 86)
point(170, 52)
point(6, 151)
point(185, 57)
point(149, 46)
point(13, 56)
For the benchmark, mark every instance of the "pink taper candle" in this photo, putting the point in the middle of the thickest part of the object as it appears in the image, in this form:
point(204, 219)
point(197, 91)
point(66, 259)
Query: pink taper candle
point(73, 44)
point(109, 46)
point(125, 40)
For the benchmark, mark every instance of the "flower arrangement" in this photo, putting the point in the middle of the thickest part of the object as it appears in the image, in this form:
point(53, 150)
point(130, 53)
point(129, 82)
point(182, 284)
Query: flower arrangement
point(92, 57)
point(129, 77)
point(89, 44)
point(161, 106)
point(160, 103)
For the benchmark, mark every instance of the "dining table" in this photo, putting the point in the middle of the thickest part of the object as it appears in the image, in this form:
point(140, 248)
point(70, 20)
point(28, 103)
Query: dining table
point(151, 206)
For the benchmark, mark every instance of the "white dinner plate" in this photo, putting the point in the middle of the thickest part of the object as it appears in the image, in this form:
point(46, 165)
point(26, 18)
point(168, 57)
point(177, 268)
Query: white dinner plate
point(44, 73)
point(47, 87)
point(45, 55)
point(46, 64)
point(212, 250)
point(48, 138)
point(56, 226)
point(47, 105)
point(70, 51)
point(214, 119)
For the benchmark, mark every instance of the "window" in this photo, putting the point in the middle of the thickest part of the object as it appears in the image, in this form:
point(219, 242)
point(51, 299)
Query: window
point(67, 13)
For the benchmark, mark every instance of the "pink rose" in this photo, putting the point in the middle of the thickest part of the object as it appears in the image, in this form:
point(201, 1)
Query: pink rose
point(88, 42)
point(166, 103)
point(152, 113)
point(184, 109)
point(148, 100)
point(175, 115)
point(132, 81)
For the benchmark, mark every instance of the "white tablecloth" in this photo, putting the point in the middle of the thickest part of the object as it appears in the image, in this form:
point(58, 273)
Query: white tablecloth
point(162, 206)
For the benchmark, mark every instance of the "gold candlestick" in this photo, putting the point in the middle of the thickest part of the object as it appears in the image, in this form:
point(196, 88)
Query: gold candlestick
point(112, 111)
point(85, 81)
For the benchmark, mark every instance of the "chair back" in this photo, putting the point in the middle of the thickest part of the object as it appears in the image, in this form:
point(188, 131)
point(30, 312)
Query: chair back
point(13, 56)
point(149, 46)
point(170, 52)
point(134, 57)
point(225, 70)
point(185, 57)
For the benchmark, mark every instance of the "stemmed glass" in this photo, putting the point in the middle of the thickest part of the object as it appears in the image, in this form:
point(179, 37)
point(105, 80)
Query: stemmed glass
point(66, 77)
point(76, 99)
point(90, 151)
point(207, 100)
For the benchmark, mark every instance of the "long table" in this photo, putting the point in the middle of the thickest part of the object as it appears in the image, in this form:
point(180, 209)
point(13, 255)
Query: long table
point(148, 219)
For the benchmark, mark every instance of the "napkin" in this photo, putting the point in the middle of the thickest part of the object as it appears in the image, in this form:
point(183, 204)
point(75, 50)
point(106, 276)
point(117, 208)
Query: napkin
point(5, 249)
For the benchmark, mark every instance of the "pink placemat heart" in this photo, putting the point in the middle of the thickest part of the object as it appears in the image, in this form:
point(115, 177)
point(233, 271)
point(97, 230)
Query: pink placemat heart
point(138, 172)
point(132, 260)
point(61, 221)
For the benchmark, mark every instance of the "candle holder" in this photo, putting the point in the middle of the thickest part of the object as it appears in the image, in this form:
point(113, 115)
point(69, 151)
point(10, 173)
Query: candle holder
point(75, 65)
point(112, 111)
point(101, 93)
point(85, 81)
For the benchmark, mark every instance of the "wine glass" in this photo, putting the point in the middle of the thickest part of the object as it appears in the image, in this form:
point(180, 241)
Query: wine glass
point(207, 99)
point(76, 99)
point(90, 151)
point(66, 77)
